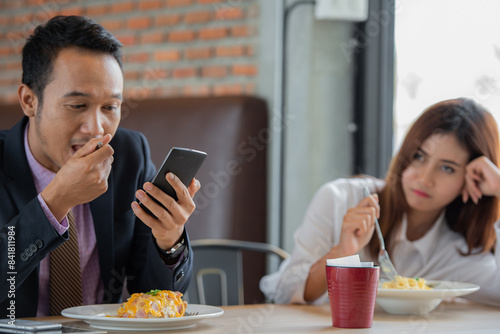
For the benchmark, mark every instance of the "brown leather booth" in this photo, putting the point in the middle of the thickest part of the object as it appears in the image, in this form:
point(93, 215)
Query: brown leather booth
point(233, 131)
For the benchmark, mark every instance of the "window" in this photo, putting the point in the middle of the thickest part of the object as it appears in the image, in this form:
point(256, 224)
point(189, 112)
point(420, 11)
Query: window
point(445, 49)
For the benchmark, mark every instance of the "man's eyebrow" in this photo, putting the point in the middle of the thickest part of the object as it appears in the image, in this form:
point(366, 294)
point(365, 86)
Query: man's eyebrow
point(75, 93)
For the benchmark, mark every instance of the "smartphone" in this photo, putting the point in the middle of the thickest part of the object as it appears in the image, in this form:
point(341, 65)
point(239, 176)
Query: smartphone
point(27, 325)
point(184, 163)
point(33, 327)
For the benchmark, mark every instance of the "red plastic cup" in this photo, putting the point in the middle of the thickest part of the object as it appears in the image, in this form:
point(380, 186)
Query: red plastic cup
point(352, 292)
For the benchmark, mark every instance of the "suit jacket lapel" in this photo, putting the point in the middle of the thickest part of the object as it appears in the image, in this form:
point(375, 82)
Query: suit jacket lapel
point(102, 214)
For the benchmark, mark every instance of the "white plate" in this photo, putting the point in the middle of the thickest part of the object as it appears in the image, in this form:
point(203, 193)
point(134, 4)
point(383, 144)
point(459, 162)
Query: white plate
point(95, 316)
point(400, 301)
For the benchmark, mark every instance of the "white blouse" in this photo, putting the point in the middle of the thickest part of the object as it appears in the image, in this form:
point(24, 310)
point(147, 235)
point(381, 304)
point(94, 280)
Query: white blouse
point(435, 256)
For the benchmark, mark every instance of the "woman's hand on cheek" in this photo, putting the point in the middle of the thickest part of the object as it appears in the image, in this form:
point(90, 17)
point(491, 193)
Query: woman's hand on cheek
point(482, 177)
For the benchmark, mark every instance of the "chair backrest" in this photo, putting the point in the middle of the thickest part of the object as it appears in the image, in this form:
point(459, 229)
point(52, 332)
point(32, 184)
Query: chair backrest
point(218, 270)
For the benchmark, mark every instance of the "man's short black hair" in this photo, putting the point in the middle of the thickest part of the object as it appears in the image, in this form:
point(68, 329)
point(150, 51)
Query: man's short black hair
point(42, 48)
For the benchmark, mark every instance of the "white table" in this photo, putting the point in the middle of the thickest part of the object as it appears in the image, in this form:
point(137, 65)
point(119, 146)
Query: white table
point(458, 316)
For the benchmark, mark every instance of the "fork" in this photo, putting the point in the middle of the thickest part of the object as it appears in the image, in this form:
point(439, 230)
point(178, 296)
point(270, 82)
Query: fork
point(189, 314)
point(383, 256)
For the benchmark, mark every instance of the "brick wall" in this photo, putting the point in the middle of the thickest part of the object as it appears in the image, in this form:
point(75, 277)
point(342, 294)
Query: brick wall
point(171, 47)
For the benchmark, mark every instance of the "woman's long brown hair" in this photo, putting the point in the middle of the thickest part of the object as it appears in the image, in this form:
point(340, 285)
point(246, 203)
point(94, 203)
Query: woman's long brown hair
point(476, 129)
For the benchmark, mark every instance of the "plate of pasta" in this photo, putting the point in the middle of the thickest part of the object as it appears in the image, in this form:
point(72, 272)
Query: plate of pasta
point(416, 295)
point(149, 311)
point(103, 316)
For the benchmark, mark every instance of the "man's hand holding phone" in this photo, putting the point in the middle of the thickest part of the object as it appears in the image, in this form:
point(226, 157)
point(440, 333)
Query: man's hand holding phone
point(167, 202)
point(168, 225)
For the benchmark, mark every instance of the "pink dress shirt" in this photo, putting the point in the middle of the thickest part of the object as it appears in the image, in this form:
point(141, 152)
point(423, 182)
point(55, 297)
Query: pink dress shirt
point(92, 286)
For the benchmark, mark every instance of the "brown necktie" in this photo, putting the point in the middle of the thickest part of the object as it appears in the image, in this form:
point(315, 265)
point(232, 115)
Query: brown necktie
point(65, 276)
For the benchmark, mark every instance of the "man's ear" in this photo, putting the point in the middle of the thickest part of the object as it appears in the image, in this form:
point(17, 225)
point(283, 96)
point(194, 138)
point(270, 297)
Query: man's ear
point(28, 100)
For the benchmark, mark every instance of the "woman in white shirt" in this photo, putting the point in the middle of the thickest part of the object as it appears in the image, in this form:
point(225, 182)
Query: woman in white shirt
point(438, 211)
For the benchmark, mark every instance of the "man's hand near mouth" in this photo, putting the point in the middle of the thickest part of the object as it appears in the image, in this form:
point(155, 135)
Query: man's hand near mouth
point(82, 178)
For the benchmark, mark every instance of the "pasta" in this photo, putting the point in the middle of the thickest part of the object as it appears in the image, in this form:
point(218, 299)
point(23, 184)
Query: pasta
point(407, 283)
point(153, 304)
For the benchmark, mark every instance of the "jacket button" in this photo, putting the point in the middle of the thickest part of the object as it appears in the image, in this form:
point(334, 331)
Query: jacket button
point(33, 248)
point(24, 257)
point(39, 243)
point(28, 252)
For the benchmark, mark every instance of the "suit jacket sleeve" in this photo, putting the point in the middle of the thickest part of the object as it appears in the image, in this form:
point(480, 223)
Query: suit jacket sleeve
point(145, 267)
point(26, 235)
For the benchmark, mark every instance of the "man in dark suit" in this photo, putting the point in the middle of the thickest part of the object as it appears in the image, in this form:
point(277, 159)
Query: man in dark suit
point(67, 157)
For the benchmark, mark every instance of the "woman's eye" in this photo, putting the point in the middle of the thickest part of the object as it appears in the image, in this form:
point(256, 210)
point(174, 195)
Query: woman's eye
point(448, 169)
point(418, 156)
